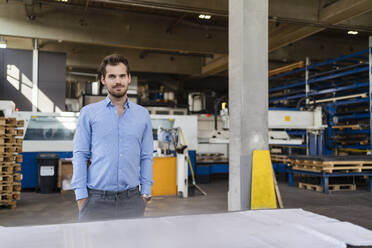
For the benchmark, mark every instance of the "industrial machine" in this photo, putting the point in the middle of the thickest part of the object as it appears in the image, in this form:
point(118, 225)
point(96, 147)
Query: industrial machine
point(287, 128)
point(177, 136)
point(44, 133)
point(280, 122)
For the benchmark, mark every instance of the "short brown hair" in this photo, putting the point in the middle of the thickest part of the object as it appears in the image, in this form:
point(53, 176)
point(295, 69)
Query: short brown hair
point(113, 59)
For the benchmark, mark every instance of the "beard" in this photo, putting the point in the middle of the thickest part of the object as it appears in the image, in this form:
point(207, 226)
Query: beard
point(115, 94)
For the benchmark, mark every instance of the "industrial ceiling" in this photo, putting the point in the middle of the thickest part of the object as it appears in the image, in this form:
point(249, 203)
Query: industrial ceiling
point(167, 36)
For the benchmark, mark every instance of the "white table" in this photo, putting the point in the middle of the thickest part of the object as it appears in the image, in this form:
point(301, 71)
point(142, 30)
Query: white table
point(261, 228)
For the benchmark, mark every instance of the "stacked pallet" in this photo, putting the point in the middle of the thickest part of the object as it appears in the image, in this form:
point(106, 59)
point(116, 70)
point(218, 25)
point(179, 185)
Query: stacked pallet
point(331, 164)
point(341, 166)
point(10, 157)
point(211, 157)
point(276, 158)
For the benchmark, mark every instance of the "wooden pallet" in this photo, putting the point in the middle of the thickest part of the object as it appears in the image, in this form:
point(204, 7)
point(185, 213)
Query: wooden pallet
point(6, 178)
point(309, 186)
point(8, 168)
point(17, 177)
point(11, 178)
point(10, 204)
point(7, 131)
point(342, 187)
point(9, 196)
point(331, 166)
point(331, 187)
point(20, 123)
point(10, 148)
point(10, 122)
point(10, 187)
point(275, 150)
point(19, 132)
point(280, 158)
point(7, 140)
point(11, 157)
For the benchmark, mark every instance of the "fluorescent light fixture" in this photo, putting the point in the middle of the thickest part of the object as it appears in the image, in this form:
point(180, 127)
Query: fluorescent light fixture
point(351, 32)
point(203, 16)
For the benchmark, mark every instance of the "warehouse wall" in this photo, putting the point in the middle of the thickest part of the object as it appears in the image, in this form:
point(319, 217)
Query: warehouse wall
point(16, 79)
point(52, 81)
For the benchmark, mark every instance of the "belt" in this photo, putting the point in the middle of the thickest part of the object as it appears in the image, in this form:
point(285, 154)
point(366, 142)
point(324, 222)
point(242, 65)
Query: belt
point(113, 193)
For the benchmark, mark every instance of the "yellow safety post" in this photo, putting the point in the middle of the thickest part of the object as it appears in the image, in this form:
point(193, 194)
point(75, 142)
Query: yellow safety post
point(262, 189)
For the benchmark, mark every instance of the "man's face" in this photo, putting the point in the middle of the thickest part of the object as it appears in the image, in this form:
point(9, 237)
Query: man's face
point(116, 80)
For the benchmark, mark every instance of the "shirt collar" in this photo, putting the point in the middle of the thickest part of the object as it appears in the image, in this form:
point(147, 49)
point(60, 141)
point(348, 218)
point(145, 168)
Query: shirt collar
point(108, 102)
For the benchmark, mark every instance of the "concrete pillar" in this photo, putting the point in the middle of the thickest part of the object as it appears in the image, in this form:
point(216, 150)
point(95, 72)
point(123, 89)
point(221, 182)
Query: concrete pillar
point(35, 75)
point(248, 93)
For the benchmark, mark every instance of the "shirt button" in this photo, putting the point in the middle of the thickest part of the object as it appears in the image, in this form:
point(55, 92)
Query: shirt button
point(121, 140)
point(121, 155)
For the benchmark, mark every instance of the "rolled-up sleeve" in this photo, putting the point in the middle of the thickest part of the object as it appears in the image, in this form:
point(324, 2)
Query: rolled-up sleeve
point(147, 148)
point(81, 154)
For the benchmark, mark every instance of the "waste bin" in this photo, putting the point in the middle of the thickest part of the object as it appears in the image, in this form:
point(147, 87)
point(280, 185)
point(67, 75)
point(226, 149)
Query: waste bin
point(47, 172)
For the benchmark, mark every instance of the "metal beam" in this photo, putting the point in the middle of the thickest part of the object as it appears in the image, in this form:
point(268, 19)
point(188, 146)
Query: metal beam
point(215, 66)
point(212, 7)
point(343, 10)
point(333, 14)
point(81, 56)
point(286, 33)
point(110, 28)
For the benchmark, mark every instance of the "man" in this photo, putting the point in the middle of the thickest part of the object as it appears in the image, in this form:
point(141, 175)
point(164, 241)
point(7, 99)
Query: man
point(116, 135)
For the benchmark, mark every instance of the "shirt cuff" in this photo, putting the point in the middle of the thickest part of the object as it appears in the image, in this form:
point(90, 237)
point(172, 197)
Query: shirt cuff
point(81, 193)
point(146, 189)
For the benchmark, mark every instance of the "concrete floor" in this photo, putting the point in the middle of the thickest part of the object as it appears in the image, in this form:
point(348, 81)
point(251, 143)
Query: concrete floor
point(40, 209)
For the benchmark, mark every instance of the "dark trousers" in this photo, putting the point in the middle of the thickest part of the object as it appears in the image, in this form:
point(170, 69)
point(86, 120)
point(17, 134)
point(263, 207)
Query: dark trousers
point(108, 205)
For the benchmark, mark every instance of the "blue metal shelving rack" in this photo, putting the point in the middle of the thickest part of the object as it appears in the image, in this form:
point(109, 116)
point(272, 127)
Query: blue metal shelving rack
point(342, 86)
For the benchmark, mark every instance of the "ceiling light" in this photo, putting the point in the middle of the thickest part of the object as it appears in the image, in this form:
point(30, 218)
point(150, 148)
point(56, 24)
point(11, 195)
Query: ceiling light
point(352, 32)
point(203, 16)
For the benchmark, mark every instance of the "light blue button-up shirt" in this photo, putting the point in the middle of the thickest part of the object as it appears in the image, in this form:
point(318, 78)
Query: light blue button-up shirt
point(120, 149)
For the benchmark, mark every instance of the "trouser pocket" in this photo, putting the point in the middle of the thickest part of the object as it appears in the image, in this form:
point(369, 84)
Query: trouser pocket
point(85, 205)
